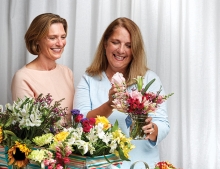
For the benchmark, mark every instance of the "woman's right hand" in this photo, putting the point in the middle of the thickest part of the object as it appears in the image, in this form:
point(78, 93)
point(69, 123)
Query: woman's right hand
point(112, 94)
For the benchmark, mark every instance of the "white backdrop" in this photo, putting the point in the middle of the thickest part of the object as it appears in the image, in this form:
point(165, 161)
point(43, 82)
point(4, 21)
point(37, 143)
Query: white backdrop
point(182, 39)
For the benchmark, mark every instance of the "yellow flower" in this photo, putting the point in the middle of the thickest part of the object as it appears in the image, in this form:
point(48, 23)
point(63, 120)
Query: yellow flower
point(17, 155)
point(104, 121)
point(61, 136)
point(1, 134)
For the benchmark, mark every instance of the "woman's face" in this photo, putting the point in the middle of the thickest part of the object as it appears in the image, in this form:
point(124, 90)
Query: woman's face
point(52, 46)
point(118, 50)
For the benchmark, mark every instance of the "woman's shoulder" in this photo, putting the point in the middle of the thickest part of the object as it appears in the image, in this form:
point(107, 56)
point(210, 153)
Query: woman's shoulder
point(93, 79)
point(151, 75)
point(22, 71)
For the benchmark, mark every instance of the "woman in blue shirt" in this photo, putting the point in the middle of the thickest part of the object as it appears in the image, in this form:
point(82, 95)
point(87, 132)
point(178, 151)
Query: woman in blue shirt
point(121, 49)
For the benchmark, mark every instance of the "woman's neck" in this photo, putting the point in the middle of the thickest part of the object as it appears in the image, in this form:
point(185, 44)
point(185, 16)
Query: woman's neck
point(42, 65)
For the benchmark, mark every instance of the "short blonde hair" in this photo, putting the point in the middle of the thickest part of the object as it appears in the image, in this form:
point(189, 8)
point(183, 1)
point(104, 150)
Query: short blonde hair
point(137, 66)
point(39, 28)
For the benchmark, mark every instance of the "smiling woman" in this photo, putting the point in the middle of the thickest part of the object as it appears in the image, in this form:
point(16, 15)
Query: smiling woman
point(46, 38)
point(121, 50)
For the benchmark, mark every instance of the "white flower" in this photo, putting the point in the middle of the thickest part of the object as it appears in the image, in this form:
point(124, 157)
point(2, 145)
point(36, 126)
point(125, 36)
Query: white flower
point(92, 135)
point(107, 138)
point(91, 148)
point(82, 145)
point(113, 146)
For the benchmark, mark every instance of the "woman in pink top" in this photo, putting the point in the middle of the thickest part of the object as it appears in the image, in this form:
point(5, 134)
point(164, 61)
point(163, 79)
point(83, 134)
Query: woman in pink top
point(46, 38)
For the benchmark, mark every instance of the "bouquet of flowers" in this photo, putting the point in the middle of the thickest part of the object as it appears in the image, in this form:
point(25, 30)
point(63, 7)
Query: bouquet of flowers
point(164, 165)
point(53, 150)
point(87, 137)
point(24, 120)
point(138, 103)
point(96, 136)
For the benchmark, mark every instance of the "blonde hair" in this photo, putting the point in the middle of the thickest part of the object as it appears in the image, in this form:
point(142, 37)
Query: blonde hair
point(137, 66)
point(39, 28)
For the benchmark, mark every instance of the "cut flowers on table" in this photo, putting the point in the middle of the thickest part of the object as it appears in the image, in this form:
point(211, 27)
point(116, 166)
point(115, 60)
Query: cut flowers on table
point(164, 165)
point(96, 136)
point(25, 119)
point(87, 137)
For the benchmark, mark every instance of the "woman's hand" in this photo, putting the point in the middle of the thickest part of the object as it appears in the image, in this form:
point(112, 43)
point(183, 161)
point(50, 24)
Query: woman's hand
point(111, 95)
point(150, 129)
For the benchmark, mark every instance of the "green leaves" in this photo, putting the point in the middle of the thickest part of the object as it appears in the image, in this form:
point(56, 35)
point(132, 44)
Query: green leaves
point(115, 126)
point(147, 86)
point(121, 154)
point(139, 82)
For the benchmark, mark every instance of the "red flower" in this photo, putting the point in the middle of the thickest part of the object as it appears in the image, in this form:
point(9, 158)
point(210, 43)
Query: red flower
point(78, 118)
point(92, 121)
point(86, 125)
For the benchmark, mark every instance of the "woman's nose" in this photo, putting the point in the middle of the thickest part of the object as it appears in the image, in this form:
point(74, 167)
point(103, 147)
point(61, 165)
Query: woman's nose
point(59, 42)
point(121, 49)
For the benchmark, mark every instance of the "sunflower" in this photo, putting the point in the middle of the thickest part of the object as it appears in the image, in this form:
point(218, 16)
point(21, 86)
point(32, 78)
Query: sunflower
point(17, 155)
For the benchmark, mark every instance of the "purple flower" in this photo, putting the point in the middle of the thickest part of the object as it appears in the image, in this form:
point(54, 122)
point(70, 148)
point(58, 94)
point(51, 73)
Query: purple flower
point(75, 112)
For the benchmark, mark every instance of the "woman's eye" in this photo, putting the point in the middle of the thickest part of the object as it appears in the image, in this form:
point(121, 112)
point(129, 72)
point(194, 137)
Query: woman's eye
point(63, 37)
point(128, 46)
point(52, 38)
point(115, 42)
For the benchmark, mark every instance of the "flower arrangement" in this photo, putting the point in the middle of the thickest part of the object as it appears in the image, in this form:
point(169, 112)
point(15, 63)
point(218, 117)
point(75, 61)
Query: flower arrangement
point(96, 136)
point(88, 137)
point(138, 101)
point(53, 150)
point(164, 165)
point(24, 120)
point(137, 104)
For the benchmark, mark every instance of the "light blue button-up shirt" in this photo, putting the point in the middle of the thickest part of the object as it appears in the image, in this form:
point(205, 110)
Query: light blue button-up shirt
point(92, 92)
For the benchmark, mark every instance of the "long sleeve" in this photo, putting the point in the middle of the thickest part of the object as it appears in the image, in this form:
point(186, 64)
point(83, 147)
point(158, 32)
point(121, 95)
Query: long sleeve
point(92, 92)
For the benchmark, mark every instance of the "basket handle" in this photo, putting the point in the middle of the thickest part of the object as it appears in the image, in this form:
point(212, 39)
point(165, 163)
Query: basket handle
point(146, 165)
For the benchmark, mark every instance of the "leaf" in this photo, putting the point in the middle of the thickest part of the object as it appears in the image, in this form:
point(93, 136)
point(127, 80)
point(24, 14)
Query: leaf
point(122, 156)
point(107, 159)
point(115, 127)
point(147, 86)
point(101, 150)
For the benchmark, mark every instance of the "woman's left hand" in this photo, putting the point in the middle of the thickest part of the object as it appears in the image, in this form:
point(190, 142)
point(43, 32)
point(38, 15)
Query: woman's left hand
point(150, 129)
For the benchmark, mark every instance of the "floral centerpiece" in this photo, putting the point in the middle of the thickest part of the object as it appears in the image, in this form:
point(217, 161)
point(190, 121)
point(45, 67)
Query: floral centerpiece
point(24, 120)
point(90, 142)
point(137, 104)
point(164, 165)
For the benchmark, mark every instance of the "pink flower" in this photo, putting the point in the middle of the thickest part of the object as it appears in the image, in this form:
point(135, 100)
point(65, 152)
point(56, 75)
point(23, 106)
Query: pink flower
point(66, 160)
point(46, 162)
point(58, 149)
point(120, 105)
point(59, 166)
point(118, 79)
point(58, 155)
point(136, 95)
point(68, 151)
point(50, 167)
